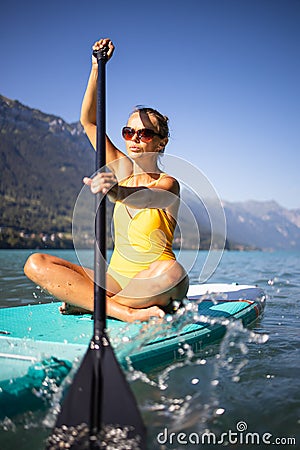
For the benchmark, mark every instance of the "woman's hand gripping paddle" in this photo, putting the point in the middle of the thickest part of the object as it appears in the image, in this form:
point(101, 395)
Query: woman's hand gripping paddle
point(99, 408)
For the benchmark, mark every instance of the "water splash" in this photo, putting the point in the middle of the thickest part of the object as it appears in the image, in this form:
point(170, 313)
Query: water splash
point(55, 401)
point(110, 437)
point(188, 393)
point(7, 425)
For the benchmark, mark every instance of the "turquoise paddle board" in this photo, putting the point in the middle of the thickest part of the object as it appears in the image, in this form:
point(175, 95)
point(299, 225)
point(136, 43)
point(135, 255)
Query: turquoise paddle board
point(37, 343)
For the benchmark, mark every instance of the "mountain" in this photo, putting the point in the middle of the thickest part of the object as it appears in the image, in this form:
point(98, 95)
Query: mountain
point(42, 162)
point(252, 224)
point(263, 224)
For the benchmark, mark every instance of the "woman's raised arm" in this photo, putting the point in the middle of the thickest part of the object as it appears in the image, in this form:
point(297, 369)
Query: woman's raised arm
point(118, 162)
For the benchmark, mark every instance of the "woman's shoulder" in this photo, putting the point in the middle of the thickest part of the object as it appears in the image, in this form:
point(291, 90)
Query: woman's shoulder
point(165, 175)
point(169, 182)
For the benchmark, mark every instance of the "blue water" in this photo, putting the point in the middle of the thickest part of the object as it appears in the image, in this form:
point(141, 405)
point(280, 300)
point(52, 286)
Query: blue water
point(244, 390)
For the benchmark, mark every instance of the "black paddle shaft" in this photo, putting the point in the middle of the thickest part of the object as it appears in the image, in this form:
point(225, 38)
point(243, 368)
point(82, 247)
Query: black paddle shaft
point(100, 207)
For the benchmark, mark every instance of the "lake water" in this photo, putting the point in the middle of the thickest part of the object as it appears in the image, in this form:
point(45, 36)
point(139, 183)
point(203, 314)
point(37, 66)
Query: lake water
point(246, 387)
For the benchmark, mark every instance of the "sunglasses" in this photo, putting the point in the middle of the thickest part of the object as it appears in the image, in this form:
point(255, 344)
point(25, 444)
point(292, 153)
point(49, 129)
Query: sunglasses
point(144, 134)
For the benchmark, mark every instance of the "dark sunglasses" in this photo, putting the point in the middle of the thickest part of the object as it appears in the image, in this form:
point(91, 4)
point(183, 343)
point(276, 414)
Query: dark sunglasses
point(144, 134)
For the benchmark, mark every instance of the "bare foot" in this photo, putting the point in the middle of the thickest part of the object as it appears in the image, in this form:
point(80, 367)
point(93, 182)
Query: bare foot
point(67, 308)
point(134, 314)
point(145, 314)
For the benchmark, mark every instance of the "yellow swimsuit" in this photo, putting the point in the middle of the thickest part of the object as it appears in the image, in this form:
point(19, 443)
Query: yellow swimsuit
point(139, 240)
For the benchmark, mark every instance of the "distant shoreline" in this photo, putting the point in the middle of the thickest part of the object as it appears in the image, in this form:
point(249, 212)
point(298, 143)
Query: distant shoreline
point(67, 246)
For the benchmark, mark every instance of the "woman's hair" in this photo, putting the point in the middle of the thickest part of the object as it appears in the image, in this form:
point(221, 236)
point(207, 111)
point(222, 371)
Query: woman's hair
point(162, 121)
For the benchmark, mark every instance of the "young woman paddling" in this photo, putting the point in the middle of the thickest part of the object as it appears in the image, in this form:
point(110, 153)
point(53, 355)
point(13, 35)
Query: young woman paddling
point(143, 276)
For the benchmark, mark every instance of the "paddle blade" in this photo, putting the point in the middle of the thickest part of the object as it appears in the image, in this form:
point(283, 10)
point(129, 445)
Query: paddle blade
point(118, 400)
point(76, 408)
point(99, 408)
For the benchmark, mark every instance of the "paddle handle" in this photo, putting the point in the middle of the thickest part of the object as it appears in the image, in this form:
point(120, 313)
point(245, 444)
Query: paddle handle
point(100, 203)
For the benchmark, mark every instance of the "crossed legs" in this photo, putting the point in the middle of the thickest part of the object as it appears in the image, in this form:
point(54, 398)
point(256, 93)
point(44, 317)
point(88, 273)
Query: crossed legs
point(163, 282)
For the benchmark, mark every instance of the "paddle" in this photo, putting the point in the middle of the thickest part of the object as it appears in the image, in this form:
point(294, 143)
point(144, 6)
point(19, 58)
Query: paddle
point(99, 409)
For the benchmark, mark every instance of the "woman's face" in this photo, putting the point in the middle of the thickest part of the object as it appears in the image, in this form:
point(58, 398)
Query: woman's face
point(136, 147)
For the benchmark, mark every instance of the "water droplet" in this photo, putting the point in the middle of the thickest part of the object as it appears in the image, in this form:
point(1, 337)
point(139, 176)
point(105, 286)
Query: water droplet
point(236, 379)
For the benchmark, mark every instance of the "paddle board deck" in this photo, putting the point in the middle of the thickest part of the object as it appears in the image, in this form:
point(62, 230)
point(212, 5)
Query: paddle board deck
point(34, 338)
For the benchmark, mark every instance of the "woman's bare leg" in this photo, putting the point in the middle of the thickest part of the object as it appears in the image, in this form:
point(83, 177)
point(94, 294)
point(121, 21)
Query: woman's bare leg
point(64, 280)
point(73, 284)
point(163, 282)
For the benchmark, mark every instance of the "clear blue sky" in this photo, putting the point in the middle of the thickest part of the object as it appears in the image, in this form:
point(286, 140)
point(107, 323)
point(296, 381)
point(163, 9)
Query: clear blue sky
point(226, 72)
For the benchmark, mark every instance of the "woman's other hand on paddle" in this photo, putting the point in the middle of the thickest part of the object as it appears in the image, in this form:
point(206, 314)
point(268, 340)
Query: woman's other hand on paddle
point(105, 183)
point(101, 44)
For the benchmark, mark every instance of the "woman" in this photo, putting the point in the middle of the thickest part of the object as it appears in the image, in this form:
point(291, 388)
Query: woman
point(143, 276)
